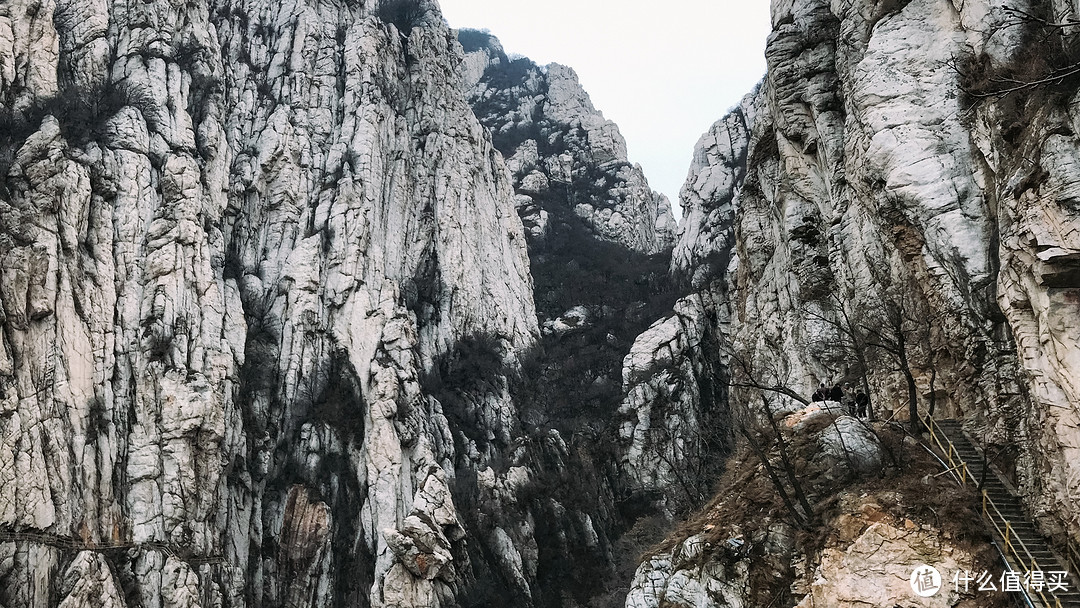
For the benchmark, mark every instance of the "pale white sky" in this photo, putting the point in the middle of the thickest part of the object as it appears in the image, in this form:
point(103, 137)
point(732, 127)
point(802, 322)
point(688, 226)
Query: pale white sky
point(663, 71)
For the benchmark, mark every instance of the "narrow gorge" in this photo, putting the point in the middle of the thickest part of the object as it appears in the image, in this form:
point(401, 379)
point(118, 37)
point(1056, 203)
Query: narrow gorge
point(326, 304)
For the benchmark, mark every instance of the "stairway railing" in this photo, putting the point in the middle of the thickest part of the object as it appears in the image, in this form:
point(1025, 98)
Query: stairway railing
point(1072, 555)
point(1015, 549)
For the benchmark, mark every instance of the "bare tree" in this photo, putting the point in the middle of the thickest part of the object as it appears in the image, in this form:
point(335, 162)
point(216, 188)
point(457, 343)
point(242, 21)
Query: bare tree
point(1049, 57)
point(761, 431)
point(892, 335)
point(893, 327)
point(747, 374)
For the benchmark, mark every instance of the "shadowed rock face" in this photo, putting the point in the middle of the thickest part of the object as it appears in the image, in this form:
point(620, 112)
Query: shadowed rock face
point(596, 234)
point(868, 171)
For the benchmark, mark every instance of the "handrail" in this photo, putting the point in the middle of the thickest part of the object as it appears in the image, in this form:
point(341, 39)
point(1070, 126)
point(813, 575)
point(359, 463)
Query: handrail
point(1011, 540)
point(1072, 555)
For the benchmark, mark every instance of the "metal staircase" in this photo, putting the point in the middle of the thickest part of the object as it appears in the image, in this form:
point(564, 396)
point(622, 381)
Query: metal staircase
point(1024, 549)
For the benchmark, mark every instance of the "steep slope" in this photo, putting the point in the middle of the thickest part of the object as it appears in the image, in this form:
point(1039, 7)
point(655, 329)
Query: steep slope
point(880, 512)
point(242, 245)
point(888, 213)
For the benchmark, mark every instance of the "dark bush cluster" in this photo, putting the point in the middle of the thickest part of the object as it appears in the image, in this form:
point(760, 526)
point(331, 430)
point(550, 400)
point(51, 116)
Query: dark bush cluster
point(1048, 57)
point(402, 14)
point(461, 378)
point(81, 115)
point(473, 40)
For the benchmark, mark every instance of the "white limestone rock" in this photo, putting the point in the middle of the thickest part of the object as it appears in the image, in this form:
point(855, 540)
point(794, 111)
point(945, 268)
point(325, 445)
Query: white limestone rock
point(860, 172)
point(682, 578)
point(221, 287)
point(673, 414)
point(876, 569)
point(88, 582)
point(852, 445)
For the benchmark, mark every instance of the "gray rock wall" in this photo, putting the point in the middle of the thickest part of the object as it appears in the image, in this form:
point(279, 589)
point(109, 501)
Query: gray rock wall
point(566, 157)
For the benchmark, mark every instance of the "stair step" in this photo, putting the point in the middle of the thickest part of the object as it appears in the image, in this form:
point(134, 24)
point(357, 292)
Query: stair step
point(1024, 532)
point(1037, 552)
point(1008, 505)
point(1018, 524)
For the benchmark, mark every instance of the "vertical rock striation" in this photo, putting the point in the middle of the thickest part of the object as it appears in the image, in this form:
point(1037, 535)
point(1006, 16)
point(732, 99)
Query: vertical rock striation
point(236, 240)
point(564, 155)
point(596, 232)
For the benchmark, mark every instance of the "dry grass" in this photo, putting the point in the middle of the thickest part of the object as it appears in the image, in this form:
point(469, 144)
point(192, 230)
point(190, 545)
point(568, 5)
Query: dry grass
point(747, 505)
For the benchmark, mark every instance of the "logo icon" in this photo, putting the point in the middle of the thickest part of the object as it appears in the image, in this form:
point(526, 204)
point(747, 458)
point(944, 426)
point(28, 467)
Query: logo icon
point(925, 581)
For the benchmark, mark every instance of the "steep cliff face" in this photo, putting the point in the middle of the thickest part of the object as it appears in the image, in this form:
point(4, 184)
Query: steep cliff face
point(239, 240)
point(564, 155)
point(886, 213)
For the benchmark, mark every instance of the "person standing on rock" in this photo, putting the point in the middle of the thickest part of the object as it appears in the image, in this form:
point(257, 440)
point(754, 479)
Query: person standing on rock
point(848, 400)
point(821, 393)
point(836, 394)
point(862, 402)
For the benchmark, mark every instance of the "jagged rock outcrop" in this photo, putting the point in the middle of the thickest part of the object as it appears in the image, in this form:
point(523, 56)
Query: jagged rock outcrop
point(243, 245)
point(881, 180)
point(88, 582)
point(674, 422)
point(599, 243)
point(564, 155)
point(706, 239)
point(871, 563)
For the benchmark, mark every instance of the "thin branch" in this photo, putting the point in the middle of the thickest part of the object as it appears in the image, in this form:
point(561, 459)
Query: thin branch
point(1023, 17)
point(779, 485)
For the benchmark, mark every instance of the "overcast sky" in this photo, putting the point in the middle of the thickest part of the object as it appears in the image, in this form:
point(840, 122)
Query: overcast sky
point(664, 71)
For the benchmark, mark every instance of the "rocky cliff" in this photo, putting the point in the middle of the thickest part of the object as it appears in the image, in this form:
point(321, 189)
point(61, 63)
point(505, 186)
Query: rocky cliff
point(894, 207)
point(566, 158)
point(264, 290)
point(281, 327)
point(599, 243)
point(874, 524)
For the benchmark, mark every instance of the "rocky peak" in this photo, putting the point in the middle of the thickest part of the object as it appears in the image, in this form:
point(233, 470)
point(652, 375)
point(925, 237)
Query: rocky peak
point(566, 158)
point(235, 240)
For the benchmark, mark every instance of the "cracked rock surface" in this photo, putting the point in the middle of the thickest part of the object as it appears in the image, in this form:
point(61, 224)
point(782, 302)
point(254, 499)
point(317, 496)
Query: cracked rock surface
point(566, 158)
point(234, 237)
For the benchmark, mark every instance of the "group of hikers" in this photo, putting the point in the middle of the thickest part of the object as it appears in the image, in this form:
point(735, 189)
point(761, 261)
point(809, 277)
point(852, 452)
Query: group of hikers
point(855, 405)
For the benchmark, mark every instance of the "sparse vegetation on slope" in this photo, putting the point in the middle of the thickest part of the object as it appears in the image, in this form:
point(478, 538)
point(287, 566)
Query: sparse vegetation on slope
point(748, 522)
